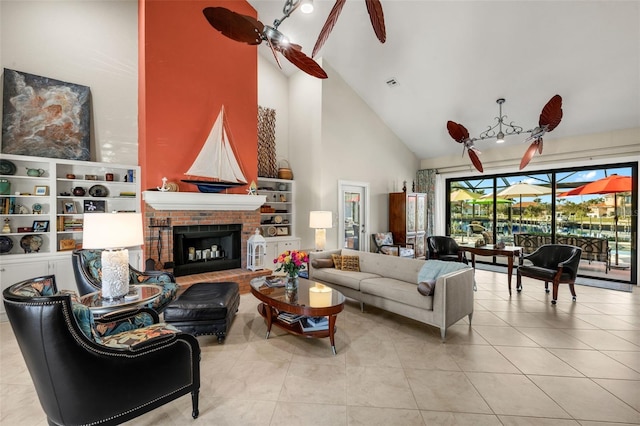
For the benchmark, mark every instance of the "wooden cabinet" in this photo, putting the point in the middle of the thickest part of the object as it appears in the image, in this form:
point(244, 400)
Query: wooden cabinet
point(408, 220)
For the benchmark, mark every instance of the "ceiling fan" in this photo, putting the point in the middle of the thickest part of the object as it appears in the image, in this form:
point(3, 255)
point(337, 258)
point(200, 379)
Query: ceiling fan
point(249, 30)
point(374, 7)
point(549, 119)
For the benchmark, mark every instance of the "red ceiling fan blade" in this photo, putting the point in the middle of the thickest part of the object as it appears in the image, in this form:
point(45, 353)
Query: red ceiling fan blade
point(475, 160)
point(242, 28)
point(328, 26)
point(457, 131)
point(551, 113)
point(528, 155)
point(275, 55)
point(374, 7)
point(294, 54)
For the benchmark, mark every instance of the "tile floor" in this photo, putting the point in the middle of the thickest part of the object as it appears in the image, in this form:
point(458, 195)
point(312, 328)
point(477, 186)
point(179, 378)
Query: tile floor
point(522, 362)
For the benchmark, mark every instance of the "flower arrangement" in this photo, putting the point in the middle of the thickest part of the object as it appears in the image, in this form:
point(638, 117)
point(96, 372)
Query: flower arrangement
point(292, 262)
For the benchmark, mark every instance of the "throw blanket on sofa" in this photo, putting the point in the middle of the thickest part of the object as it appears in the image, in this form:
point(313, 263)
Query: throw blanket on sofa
point(432, 269)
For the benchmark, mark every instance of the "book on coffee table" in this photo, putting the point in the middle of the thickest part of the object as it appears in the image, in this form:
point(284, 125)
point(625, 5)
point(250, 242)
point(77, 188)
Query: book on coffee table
point(308, 326)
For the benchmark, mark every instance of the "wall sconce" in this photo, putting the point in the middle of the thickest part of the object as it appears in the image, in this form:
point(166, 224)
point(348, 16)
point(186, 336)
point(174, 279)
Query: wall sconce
point(320, 220)
point(256, 251)
point(112, 233)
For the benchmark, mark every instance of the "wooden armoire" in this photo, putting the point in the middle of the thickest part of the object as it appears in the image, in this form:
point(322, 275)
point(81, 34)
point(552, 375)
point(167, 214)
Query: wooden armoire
point(408, 220)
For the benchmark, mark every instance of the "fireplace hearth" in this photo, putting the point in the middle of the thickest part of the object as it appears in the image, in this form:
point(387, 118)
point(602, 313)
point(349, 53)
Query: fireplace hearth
point(206, 248)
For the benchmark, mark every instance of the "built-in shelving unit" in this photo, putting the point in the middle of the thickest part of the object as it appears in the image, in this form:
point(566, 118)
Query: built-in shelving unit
point(277, 217)
point(44, 214)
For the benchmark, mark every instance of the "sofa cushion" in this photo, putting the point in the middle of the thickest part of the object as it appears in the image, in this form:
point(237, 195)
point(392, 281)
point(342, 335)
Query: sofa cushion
point(396, 290)
point(351, 263)
point(322, 263)
point(350, 279)
point(337, 261)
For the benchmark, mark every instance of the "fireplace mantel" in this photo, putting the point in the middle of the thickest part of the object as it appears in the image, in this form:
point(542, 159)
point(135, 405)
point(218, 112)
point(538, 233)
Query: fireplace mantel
point(202, 201)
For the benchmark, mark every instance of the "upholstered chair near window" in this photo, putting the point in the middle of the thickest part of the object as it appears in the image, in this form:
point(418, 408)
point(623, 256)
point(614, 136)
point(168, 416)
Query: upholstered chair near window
point(87, 269)
point(383, 243)
point(555, 263)
point(98, 371)
point(444, 248)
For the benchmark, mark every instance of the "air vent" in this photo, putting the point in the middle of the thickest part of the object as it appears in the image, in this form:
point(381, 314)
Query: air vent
point(392, 82)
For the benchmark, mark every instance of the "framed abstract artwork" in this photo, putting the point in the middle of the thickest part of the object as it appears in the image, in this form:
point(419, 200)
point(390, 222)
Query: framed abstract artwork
point(44, 117)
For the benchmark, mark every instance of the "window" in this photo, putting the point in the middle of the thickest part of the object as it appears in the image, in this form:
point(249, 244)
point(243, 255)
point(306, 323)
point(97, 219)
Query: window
point(554, 206)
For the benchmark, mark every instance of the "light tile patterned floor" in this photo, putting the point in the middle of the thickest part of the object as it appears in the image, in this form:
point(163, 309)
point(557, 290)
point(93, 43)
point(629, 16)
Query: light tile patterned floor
point(522, 362)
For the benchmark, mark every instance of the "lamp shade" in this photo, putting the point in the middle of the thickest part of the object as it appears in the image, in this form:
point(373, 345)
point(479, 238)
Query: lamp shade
point(112, 230)
point(320, 219)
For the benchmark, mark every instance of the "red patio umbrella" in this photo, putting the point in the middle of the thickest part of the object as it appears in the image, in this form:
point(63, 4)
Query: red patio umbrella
point(609, 185)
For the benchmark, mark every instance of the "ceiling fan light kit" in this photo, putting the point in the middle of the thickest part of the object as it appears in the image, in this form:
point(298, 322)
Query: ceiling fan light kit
point(306, 6)
point(549, 119)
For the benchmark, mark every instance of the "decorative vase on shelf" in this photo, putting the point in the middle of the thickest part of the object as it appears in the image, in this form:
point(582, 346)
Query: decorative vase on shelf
point(292, 282)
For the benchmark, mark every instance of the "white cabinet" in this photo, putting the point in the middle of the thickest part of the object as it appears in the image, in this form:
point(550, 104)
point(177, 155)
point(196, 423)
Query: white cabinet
point(44, 215)
point(277, 245)
point(13, 271)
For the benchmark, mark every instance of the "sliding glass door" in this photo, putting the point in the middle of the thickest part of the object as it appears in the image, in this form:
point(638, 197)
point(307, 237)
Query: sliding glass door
point(590, 207)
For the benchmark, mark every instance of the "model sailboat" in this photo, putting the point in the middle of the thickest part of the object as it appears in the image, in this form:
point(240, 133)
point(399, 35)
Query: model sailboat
point(216, 167)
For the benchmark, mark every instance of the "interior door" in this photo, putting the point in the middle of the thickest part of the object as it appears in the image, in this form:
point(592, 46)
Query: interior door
point(353, 215)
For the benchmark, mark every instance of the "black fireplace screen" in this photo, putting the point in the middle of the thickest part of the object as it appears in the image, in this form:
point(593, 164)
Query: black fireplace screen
point(206, 248)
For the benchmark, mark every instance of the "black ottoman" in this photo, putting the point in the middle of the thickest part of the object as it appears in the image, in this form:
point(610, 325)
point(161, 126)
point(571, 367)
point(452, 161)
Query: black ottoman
point(205, 308)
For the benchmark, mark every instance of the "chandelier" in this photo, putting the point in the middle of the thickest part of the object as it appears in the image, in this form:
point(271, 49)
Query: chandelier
point(549, 119)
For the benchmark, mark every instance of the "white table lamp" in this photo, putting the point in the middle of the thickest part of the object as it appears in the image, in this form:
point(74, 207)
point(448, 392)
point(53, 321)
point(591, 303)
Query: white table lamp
point(320, 220)
point(113, 233)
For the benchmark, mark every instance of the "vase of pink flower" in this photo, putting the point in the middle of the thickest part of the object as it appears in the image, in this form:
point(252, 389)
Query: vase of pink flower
point(292, 262)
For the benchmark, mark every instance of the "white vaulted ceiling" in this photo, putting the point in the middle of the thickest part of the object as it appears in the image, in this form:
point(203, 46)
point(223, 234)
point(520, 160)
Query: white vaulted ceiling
point(453, 59)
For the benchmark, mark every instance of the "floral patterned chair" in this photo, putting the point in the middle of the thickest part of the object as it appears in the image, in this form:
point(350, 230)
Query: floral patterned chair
point(87, 268)
point(383, 243)
point(98, 371)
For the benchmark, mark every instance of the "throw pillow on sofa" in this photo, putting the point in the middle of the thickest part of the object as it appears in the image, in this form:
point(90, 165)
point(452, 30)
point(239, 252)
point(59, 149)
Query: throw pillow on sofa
point(322, 263)
point(351, 263)
point(426, 288)
point(337, 261)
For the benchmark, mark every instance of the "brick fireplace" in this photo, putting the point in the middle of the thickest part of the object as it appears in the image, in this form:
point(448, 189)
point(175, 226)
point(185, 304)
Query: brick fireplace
point(193, 209)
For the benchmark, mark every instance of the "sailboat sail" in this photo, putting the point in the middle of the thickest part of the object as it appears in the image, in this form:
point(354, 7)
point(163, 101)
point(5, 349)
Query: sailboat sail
point(216, 160)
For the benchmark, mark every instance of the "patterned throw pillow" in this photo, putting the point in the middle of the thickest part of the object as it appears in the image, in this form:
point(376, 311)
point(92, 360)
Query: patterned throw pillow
point(384, 238)
point(351, 263)
point(337, 261)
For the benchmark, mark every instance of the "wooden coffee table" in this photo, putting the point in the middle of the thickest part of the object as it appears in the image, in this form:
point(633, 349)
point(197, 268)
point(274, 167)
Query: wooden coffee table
point(276, 300)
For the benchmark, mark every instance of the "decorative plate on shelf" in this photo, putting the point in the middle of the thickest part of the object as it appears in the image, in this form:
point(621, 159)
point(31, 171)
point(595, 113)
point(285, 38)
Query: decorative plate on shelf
point(31, 243)
point(98, 191)
point(6, 244)
point(37, 208)
point(272, 231)
point(277, 219)
point(7, 167)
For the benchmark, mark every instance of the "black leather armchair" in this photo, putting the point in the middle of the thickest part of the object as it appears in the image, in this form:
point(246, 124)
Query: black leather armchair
point(444, 248)
point(80, 381)
point(87, 269)
point(556, 263)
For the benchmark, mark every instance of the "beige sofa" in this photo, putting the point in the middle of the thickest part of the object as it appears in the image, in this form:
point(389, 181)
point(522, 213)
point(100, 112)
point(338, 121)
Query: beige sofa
point(391, 282)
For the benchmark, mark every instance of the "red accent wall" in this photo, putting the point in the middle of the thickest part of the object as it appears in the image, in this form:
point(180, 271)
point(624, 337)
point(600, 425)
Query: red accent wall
point(188, 70)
